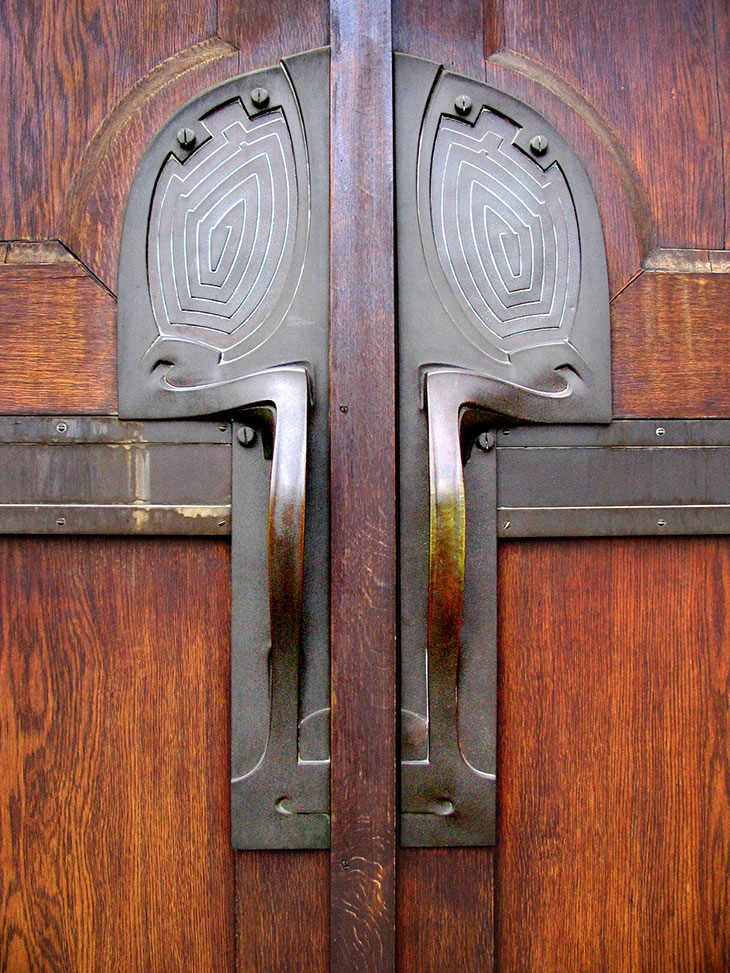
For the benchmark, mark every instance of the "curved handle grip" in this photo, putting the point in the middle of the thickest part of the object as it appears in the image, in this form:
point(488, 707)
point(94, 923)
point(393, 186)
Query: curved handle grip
point(457, 400)
point(284, 418)
point(265, 703)
point(459, 403)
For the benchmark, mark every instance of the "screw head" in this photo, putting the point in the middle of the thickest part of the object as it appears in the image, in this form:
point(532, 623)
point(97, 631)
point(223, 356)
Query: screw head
point(61, 427)
point(246, 436)
point(260, 97)
point(538, 145)
point(463, 104)
point(186, 138)
point(660, 430)
point(485, 441)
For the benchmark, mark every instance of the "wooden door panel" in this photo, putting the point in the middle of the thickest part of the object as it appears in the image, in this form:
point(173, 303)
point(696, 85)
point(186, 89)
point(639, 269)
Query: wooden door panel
point(114, 764)
point(650, 71)
point(613, 845)
point(114, 803)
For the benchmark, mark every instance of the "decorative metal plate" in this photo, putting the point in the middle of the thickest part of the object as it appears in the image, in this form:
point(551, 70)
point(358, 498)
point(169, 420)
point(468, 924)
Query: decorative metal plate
point(223, 308)
point(503, 311)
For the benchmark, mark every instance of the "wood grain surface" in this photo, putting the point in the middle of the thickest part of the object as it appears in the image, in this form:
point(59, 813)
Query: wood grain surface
point(67, 64)
point(670, 337)
point(363, 511)
point(448, 33)
point(613, 846)
point(281, 911)
point(651, 72)
point(58, 339)
point(445, 915)
point(114, 752)
point(266, 32)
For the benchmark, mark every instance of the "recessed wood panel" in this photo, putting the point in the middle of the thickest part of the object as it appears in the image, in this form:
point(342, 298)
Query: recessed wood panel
point(613, 844)
point(670, 336)
point(114, 806)
point(57, 341)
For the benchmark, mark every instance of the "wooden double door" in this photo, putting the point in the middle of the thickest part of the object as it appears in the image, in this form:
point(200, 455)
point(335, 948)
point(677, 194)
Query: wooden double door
point(613, 828)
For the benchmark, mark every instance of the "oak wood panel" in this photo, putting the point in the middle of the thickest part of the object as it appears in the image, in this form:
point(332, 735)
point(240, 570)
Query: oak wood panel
point(670, 338)
point(281, 904)
point(649, 69)
point(450, 33)
point(445, 920)
point(363, 509)
point(58, 341)
point(614, 785)
point(91, 216)
point(114, 811)
point(266, 32)
point(63, 67)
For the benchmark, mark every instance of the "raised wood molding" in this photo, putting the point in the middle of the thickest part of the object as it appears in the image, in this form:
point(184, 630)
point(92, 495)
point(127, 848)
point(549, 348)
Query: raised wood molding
point(93, 211)
point(688, 261)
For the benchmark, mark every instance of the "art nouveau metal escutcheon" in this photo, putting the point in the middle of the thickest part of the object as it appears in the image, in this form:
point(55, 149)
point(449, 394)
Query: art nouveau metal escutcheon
point(503, 316)
point(223, 310)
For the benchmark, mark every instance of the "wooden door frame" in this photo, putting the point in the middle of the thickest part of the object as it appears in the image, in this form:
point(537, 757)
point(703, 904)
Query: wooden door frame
point(363, 464)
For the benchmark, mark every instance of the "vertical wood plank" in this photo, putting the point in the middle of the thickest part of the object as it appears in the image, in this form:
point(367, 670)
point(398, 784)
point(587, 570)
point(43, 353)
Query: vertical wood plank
point(613, 843)
point(114, 755)
point(362, 351)
point(445, 910)
point(449, 33)
point(282, 911)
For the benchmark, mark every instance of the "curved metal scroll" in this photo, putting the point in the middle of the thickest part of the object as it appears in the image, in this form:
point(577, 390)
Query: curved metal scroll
point(503, 283)
point(223, 308)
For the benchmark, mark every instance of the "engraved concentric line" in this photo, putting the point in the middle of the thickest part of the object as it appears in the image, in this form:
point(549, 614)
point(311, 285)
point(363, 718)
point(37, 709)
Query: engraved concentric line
point(505, 231)
point(222, 230)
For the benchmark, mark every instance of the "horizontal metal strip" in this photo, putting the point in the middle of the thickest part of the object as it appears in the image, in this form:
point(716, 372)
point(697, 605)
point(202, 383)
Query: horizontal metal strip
point(616, 476)
point(159, 474)
point(625, 521)
point(108, 429)
point(621, 432)
point(21, 518)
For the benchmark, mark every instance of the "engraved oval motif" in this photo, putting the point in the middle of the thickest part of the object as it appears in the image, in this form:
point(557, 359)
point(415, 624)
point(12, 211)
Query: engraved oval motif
point(222, 230)
point(506, 232)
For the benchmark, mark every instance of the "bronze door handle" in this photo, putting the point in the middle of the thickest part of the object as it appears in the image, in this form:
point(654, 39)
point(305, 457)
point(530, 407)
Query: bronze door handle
point(459, 404)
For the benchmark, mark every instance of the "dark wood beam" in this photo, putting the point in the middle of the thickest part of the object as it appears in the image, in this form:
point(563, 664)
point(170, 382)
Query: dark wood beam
point(362, 348)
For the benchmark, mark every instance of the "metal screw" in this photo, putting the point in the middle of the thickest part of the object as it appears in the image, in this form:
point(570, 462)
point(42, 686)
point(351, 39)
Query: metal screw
point(661, 523)
point(221, 523)
point(246, 436)
point(344, 410)
point(507, 524)
point(223, 426)
point(61, 521)
point(485, 441)
point(260, 97)
point(187, 138)
point(505, 432)
point(463, 104)
point(538, 144)
point(660, 431)
point(345, 863)
point(61, 427)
